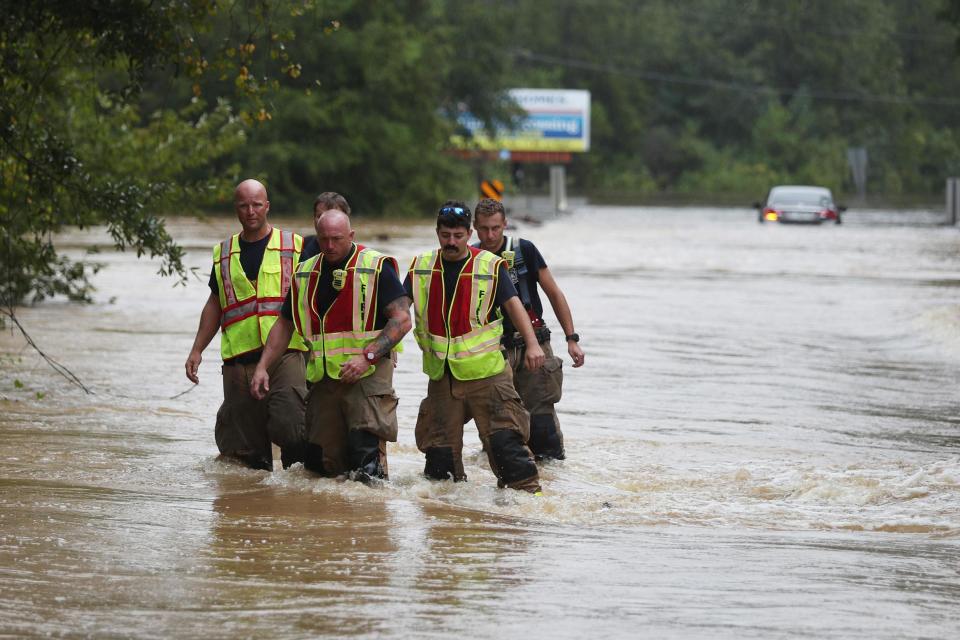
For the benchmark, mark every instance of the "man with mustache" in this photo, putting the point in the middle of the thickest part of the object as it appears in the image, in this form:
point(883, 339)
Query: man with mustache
point(459, 296)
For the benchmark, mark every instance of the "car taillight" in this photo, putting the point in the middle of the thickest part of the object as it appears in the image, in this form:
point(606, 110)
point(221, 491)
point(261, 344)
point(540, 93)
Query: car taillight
point(770, 214)
point(828, 214)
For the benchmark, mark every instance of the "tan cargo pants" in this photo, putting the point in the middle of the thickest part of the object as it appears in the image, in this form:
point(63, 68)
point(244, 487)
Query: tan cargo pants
point(492, 403)
point(334, 408)
point(540, 390)
point(246, 426)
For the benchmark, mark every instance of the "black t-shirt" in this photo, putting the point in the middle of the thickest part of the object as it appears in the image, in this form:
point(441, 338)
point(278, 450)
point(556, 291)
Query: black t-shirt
point(451, 272)
point(533, 261)
point(310, 248)
point(251, 255)
point(388, 290)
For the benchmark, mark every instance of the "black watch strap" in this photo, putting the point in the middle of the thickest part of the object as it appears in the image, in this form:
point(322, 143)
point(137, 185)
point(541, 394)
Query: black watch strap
point(573, 336)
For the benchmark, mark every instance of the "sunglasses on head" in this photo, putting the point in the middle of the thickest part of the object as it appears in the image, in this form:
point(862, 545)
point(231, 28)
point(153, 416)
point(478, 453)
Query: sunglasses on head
point(457, 211)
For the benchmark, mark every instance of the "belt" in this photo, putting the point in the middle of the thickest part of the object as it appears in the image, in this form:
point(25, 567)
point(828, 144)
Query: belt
point(516, 340)
point(252, 357)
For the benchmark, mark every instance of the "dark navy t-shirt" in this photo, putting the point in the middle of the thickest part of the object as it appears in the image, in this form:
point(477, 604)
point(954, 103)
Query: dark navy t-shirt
point(310, 248)
point(251, 255)
point(388, 290)
point(533, 261)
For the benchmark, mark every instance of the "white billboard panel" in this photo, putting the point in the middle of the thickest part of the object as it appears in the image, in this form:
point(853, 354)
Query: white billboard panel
point(557, 120)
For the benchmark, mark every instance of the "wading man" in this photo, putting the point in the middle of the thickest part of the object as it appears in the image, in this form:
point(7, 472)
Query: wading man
point(540, 390)
point(252, 272)
point(349, 307)
point(323, 202)
point(459, 294)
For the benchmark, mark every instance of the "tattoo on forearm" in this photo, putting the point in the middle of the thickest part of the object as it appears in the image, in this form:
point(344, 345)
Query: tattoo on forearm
point(392, 331)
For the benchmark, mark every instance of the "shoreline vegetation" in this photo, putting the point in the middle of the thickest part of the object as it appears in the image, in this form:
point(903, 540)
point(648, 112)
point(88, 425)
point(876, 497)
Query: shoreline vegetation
point(698, 103)
point(515, 200)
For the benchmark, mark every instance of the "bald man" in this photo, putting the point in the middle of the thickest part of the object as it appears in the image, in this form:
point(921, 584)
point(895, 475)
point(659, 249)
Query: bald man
point(349, 307)
point(251, 275)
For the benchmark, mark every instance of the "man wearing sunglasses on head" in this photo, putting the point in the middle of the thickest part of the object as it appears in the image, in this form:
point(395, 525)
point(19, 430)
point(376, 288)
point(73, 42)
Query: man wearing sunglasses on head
point(459, 295)
point(540, 390)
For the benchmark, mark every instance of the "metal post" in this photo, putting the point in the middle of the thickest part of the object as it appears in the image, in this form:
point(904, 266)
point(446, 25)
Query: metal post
point(558, 188)
point(953, 200)
point(857, 159)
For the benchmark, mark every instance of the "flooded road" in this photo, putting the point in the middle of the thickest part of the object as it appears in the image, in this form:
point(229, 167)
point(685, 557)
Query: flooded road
point(764, 443)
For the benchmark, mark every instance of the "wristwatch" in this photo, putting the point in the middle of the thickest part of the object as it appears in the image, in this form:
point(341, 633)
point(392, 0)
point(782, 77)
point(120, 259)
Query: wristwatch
point(371, 356)
point(573, 336)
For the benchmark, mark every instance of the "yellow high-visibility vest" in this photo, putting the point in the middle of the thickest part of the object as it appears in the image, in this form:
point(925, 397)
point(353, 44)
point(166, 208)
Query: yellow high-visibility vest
point(347, 326)
point(461, 335)
point(249, 310)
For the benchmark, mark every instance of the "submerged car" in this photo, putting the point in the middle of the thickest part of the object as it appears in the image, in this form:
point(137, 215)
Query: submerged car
point(794, 203)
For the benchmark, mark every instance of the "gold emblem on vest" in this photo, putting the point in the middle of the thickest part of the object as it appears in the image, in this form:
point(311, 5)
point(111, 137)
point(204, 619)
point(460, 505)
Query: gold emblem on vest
point(339, 278)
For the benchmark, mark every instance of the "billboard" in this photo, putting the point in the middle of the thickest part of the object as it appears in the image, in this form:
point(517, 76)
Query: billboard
point(557, 120)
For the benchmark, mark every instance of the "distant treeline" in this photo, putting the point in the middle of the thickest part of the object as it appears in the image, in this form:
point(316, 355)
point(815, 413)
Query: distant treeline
point(688, 98)
point(117, 112)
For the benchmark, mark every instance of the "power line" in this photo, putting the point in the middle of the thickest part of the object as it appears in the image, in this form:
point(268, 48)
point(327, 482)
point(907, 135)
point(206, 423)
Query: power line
point(817, 23)
point(757, 89)
point(774, 21)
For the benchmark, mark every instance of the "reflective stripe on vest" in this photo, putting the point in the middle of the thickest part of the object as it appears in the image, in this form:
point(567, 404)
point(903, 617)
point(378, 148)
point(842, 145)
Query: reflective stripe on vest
point(512, 254)
point(249, 310)
point(347, 326)
point(461, 335)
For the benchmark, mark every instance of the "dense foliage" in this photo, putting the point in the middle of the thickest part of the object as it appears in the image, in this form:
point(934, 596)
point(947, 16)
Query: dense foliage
point(697, 98)
point(113, 112)
point(371, 109)
point(369, 115)
point(76, 147)
point(729, 96)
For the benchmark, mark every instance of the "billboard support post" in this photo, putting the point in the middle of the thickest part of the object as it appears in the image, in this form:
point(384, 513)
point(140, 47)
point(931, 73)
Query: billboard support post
point(558, 188)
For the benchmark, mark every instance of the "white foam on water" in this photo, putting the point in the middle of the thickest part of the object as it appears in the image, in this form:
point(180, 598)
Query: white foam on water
point(871, 495)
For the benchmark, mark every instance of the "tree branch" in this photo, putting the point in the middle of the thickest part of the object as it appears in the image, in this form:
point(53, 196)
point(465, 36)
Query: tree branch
point(59, 368)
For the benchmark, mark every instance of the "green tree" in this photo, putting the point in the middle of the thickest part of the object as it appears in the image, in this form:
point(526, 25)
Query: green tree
point(730, 93)
point(76, 150)
point(372, 114)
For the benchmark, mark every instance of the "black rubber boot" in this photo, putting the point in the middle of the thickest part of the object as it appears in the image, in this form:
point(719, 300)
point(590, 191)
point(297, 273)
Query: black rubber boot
point(439, 465)
point(365, 463)
point(544, 440)
point(512, 458)
point(291, 454)
point(257, 462)
point(313, 458)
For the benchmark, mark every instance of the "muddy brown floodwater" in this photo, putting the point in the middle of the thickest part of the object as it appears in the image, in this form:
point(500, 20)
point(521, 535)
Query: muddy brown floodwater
point(764, 443)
